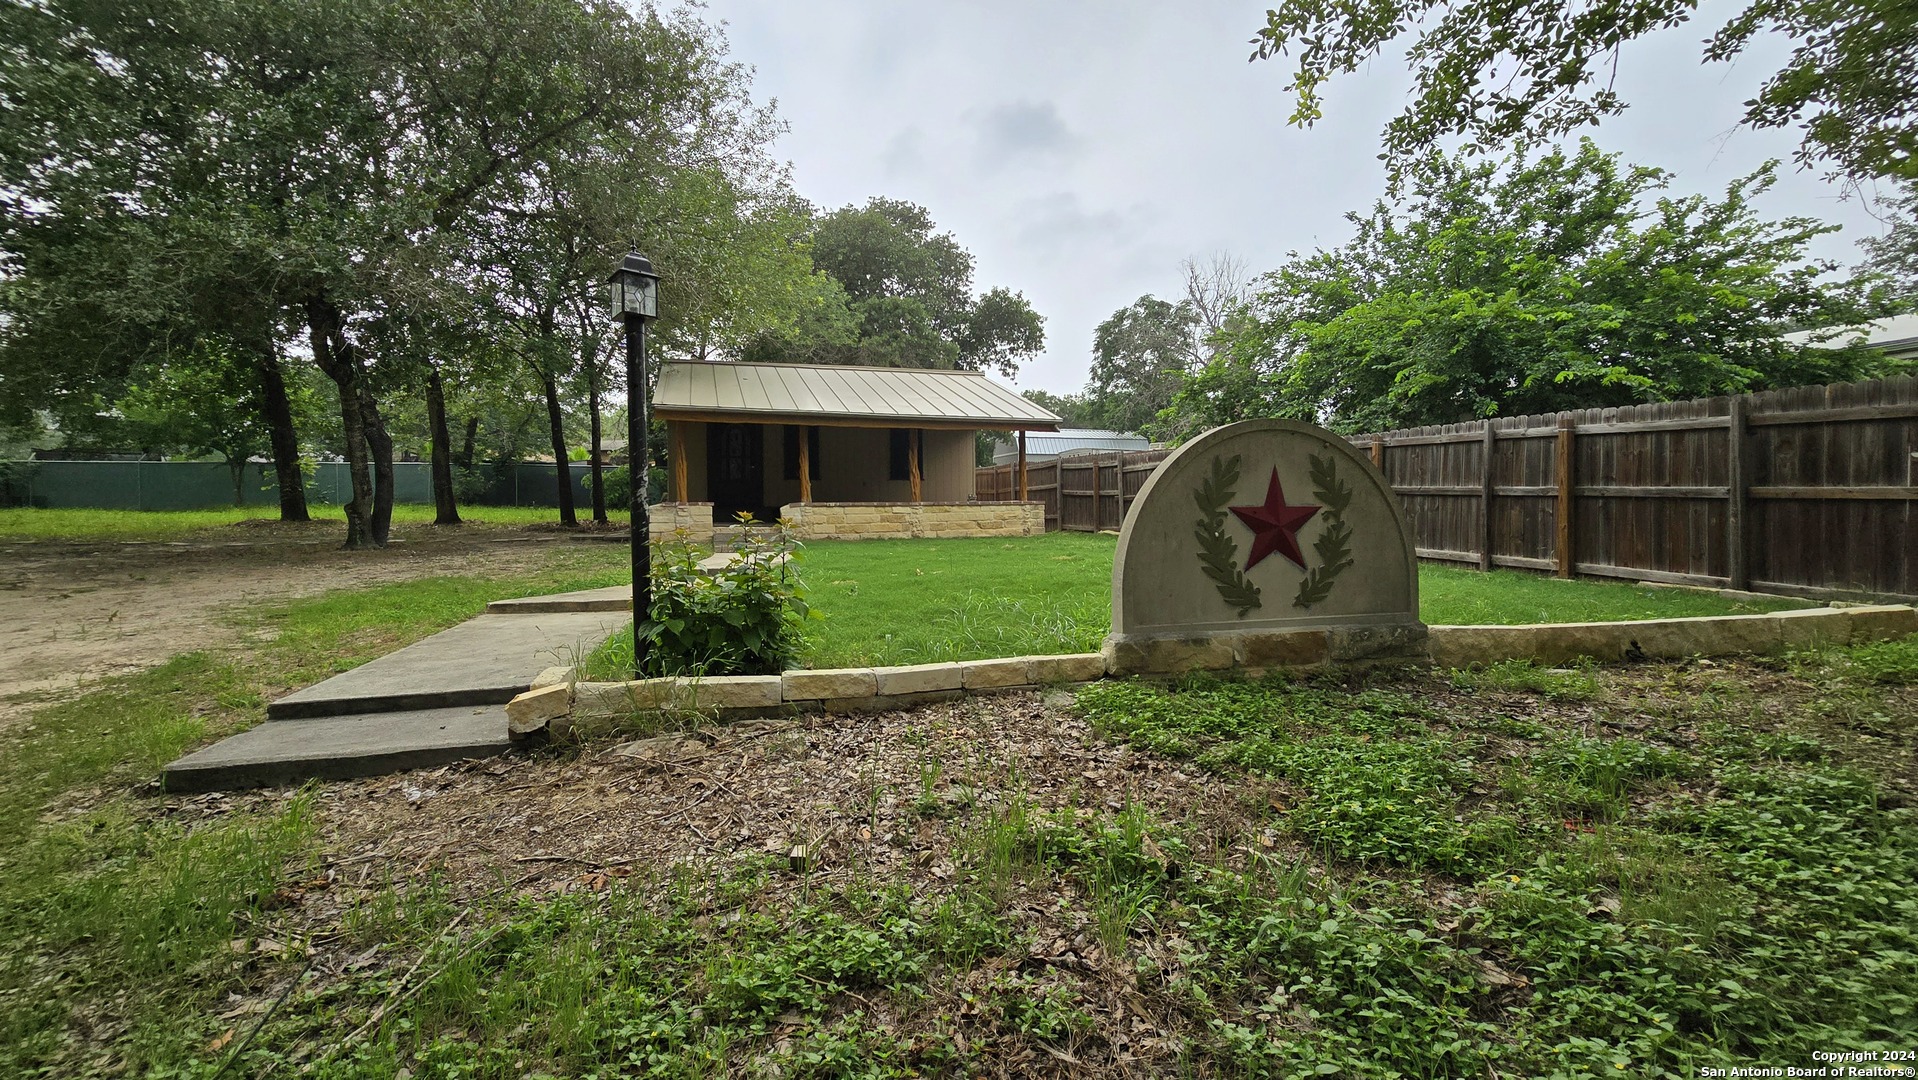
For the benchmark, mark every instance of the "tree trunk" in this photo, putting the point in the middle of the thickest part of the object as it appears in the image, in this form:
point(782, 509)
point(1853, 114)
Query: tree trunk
point(236, 467)
point(445, 507)
point(555, 421)
point(286, 443)
point(465, 458)
point(336, 358)
point(381, 444)
point(592, 411)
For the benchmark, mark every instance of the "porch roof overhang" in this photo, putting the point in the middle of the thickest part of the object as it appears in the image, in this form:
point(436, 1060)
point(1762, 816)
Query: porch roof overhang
point(736, 393)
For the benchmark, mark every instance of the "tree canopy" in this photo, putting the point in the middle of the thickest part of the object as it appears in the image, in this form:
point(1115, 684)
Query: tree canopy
point(1894, 253)
point(1528, 286)
point(901, 296)
point(394, 195)
point(1495, 71)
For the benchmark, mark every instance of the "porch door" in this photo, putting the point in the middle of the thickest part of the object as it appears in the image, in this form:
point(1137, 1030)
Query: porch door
point(735, 469)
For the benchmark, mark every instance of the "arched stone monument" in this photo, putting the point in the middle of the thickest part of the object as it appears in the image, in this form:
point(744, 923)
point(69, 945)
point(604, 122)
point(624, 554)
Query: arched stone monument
point(1262, 544)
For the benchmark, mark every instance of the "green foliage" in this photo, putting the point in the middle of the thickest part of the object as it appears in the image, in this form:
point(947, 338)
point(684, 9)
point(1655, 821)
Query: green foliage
point(742, 618)
point(1533, 285)
point(1742, 920)
point(409, 192)
point(923, 601)
point(1076, 410)
point(1517, 675)
point(1457, 596)
point(1894, 253)
point(1140, 355)
point(1368, 798)
point(902, 297)
point(1700, 893)
point(1499, 75)
point(1894, 663)
point(16, 482)
point(878, 602)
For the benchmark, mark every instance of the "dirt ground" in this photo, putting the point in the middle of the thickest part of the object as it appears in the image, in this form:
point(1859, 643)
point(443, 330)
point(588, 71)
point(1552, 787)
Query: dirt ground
point(74, 612)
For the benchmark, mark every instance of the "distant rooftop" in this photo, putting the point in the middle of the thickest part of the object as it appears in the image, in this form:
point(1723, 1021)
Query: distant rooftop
point(801, 393)
point(1069, 441)
point(1896, 336)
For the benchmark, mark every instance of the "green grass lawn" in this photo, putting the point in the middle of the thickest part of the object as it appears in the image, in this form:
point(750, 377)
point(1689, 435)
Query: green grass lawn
point(1643, 870)
point(921, 601)
point(152, 525)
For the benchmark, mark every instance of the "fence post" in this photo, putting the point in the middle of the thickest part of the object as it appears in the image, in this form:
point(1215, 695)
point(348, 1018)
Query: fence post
point(1378, 452)
point(1738, 485)
point(1566, 435)
point(1485, 499)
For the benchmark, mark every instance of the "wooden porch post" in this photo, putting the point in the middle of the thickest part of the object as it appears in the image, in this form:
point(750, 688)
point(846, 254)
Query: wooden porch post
point(805, 464)
point(1022, 465)
point(676, 438)
point(912, 456)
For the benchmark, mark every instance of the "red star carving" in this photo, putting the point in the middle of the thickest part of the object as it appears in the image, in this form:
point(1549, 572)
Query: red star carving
point(1275, 526)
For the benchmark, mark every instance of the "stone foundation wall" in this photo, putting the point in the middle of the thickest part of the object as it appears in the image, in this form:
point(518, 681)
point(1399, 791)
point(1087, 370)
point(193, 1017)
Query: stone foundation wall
point(696, 518)
point(900, 521)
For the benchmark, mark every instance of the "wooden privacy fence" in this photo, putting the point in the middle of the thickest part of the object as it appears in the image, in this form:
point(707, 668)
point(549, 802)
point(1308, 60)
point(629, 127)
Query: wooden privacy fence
point(1811, 491)
point(1808, 491)
point(1084, 492)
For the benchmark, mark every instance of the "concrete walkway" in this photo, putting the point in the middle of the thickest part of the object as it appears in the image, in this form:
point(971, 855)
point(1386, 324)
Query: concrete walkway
point(435, 701)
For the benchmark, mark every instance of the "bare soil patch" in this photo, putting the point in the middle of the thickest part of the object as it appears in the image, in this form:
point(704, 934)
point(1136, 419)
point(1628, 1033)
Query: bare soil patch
point(890, 794)
point(75, 612)
point(898, 797)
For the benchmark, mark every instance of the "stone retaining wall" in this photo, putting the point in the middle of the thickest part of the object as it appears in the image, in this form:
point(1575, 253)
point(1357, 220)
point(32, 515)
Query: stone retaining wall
point(900, 521)
point(867, 689)
point(866, 521)
point(664, 520)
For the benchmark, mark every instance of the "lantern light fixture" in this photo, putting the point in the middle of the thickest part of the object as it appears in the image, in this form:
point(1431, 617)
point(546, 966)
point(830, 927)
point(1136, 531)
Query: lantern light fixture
point(634, 288)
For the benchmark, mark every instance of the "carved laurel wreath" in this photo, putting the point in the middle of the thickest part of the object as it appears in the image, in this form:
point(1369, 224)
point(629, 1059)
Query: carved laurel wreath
point(1219, 555)
point(1334, 544)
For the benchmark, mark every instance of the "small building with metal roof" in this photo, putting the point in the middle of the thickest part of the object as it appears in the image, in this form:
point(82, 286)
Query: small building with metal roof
point(1071, 441)
point(766, 439)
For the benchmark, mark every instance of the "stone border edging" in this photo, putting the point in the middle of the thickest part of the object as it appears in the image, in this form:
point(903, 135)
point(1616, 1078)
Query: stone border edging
point(556, 697)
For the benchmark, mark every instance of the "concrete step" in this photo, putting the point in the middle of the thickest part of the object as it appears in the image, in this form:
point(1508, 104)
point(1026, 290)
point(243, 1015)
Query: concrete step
point(435, 701)
point(610, 598)
point(341, 748)
point(483, 661)
point(727, 538)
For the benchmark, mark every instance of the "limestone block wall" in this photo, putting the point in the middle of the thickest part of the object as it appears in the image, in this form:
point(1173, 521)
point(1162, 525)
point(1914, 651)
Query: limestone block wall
point(899, 521)
point(666, 519)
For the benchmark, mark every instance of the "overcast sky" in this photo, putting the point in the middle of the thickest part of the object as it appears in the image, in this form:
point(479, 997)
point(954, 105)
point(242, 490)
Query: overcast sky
point(1081, 149)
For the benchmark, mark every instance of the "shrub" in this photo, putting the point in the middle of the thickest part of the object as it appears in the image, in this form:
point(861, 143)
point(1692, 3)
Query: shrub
point(619, 486)
point(16, 482)
point(741, 619)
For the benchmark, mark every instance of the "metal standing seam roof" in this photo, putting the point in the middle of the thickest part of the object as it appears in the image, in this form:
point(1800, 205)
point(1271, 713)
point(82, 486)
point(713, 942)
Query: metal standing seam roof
point(848, 393)
point(1896, 336)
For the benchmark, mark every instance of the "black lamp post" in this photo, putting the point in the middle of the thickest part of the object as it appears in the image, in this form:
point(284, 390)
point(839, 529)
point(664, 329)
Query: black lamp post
point(634, 292)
